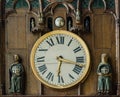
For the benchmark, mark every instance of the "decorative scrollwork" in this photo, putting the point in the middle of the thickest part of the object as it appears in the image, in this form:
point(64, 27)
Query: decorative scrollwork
point(53, 5)
point(92, 1)
point(40, 27)
point(12, 4)
point(29, 5)
point(40, 16)
point(16, 1)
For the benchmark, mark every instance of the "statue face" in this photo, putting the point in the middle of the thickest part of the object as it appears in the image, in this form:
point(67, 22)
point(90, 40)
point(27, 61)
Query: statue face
point(16, 58)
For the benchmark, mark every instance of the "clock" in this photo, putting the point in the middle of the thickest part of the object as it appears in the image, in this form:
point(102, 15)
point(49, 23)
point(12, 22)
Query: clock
point(60, 59)
point(59, 22)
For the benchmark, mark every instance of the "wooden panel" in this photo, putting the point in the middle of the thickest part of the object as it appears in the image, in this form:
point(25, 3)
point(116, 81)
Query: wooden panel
point(16, 32)
point(33, 85)
point(98, 31)
point(100, 23)
point(103, 27)
point(55, 92)
point(107, 31)
point(15, 43)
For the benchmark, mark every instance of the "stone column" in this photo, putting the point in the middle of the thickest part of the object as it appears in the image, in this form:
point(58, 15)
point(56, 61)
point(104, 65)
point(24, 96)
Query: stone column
point(2, 47)
point(117, 29)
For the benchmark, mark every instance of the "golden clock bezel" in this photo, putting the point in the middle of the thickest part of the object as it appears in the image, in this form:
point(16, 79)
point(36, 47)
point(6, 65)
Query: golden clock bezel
point(87, 67)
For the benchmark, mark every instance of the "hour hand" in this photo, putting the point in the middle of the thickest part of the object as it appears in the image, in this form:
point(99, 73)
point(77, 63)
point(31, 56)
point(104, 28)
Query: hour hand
point(59, 66)
point(69, 61)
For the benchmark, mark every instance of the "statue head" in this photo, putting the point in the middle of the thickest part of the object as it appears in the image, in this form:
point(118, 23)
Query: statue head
point(16, 57)
point(104, 58)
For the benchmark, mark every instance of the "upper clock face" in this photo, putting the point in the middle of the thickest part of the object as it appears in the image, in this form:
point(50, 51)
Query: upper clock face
point(60, 59)
point(59, 22)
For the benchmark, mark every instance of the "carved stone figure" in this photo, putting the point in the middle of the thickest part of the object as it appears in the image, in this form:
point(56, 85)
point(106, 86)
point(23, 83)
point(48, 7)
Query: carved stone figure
point(16, 73)
point(32, 23)
point(104, 72)
point(78, 16)
point(40, 18)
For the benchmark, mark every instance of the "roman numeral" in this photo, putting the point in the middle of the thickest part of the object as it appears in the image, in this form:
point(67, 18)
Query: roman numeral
point(71, 76)
point(42, 68)
point(43, 49)
point(50, 76)
point(60, 79)
point(70, 42)
point(80, 59)
point(60, 40)
point(77, 69)
point(77, 49)
point(41, 59)
point(51, 43)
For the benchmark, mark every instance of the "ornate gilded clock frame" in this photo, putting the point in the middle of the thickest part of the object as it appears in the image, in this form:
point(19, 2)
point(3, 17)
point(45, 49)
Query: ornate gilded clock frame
point(87, 67)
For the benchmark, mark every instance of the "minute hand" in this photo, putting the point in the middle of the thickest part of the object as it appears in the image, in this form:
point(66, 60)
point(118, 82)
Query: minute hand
point(69, 61)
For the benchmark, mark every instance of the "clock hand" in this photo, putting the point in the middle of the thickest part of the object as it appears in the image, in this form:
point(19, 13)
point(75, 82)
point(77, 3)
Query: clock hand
point(59, 66)
point(68, 61)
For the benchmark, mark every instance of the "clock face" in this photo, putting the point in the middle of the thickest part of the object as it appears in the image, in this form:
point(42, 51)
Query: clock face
point(60, 59)
point(59, 22)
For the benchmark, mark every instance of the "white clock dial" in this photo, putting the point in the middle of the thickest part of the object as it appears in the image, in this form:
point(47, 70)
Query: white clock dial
point(60, 59)
point(59, 22)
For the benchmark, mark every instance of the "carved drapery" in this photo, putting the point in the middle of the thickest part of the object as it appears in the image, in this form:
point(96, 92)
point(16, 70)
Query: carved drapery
point(92, 1)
